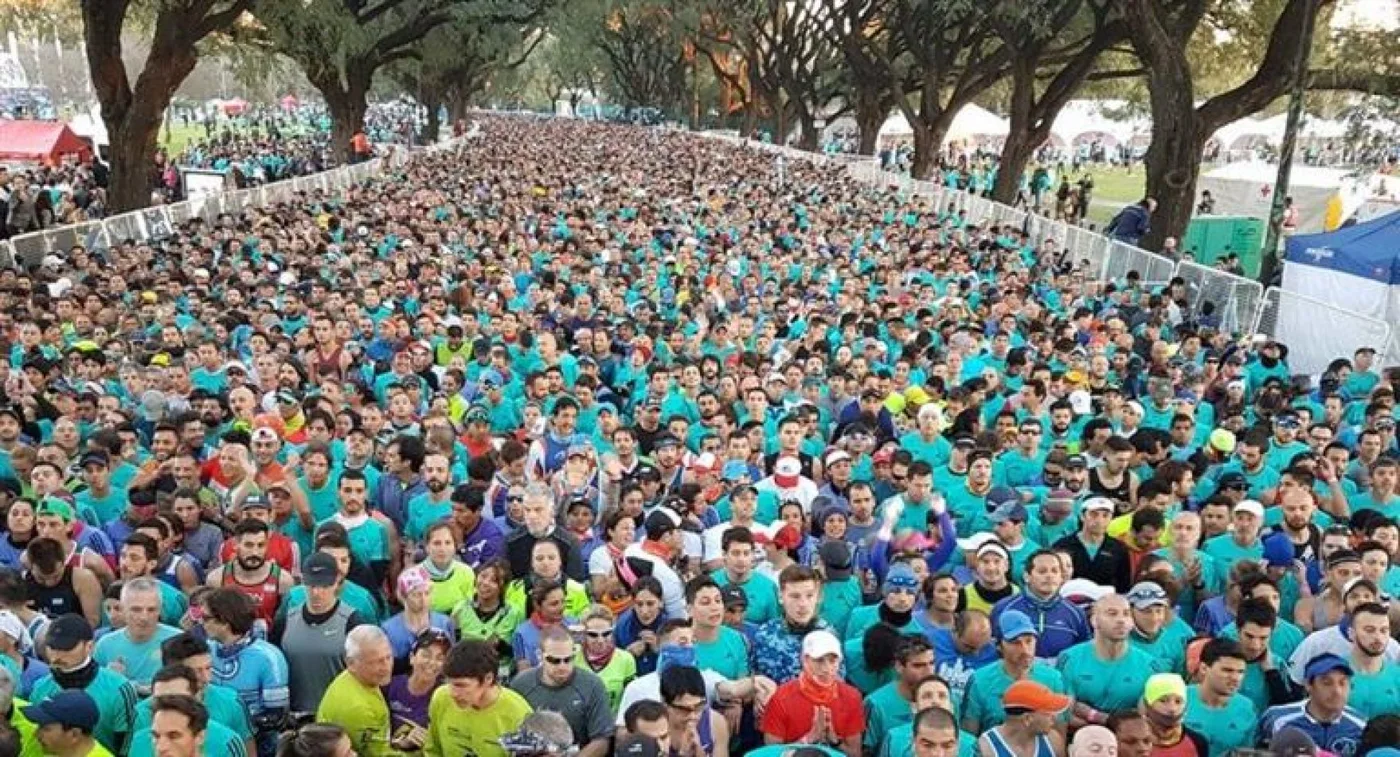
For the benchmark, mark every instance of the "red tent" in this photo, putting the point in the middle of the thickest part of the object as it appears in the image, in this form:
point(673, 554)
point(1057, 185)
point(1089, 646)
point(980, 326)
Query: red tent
point(40, 141)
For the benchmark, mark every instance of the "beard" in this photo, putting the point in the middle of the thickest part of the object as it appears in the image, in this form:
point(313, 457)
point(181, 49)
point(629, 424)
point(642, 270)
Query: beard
point(251, 563)
point(435, 486)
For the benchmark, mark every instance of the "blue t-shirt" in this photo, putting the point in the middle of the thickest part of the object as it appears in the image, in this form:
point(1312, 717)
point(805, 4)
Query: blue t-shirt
point(139, 660)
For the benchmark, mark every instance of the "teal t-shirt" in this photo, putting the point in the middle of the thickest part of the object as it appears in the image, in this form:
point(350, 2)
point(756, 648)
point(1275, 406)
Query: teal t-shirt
point(885, 710)
point(139, 660)
point(1376, 693)
point(762, 594)
point(422, 513)
point(369, 541)
point(1224, 728)
point(115, 696)
point(1168, 650)
point(727, 655)
point(1107, 685)
point(900, 743)
point(1227, 552)
point(224, 705)
point(219, 741)
point(982, 702)
point(840, 600)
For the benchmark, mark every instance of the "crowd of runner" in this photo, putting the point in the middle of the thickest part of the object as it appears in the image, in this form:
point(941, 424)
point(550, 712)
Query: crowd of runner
point(594, 439)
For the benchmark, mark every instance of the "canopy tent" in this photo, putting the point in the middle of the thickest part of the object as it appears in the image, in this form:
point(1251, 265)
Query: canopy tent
point(40, 141)
point(1357, 269)
point(1085, 121)
point(970, 122)
point(1324, 197)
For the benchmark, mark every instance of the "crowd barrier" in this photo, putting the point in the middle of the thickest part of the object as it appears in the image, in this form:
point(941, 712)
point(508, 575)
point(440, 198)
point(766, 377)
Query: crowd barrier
point(159, 221)
point(1238, 304)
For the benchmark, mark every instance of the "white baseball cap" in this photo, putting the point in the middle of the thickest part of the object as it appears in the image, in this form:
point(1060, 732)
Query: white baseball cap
point(1250, 506)
point(818, 644)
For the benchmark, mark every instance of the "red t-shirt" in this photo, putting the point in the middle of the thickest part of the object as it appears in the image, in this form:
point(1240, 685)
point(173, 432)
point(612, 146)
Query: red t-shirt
point(789, 715)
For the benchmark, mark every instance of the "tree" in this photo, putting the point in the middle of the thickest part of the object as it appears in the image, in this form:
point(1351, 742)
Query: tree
point(1055, 44)
point(1161, 32)
point(948, 53)
point(645, 50)
point(874, 90)
point(341, 44)
point(789, 55)
point(133, 110)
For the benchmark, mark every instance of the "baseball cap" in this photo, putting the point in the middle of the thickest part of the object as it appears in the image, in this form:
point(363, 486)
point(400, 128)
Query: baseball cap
point(1097, 503)
point(837, 456)
point(1323, 664)
point(94, 457)
point(580, 450)
point(57, 507)
point(1222, 440)
point(1162, 685)
point(787, 471)
point(974, 542)
point(1080, 590)
point(1001, 495)
point(255, 501)
point(819, 644)
point(1013, 624)
point(704, 464)
point(70, 708)
point(1250, 506)
point(1233, 480)
point(490, 378)
point(264, 434)
point(13, 627)
point(733, 596)
point(1291, 741)
point(1076, 462)
point(1080, 402)
point(836, 559)
point(1029, 696)
point(319, 570)
point(287, 397)
point(414, 579)
point(735, 470)
point(665, 440)
point(1008, 511)
point(430, 636)
point(1278, 550)
point(1145, 594)
point(659, 522)
point(786, 537)
point(67, 632)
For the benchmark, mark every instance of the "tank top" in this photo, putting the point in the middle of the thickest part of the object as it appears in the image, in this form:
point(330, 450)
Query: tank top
point(54, 601)
point(1003, 749)
point(328, 367)
point(266, 594)
point(1120, 493)
point(707, 739)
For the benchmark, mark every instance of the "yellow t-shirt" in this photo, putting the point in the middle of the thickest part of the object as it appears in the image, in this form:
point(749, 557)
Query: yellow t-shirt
point(29, 743)
point(455, 731)
point(361, 711)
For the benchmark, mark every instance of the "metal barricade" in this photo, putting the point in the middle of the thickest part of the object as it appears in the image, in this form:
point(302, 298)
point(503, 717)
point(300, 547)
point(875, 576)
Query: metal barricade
point(1317, 332)
point(1152, 269)
point(1224, 298)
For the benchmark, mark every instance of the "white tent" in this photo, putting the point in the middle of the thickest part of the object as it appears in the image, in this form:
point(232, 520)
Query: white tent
point(970, 122)
point(1324, 197)
point(1085, 121)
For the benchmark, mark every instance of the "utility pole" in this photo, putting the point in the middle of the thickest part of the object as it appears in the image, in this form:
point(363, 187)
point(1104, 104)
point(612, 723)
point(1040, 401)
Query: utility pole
point(1296, 97)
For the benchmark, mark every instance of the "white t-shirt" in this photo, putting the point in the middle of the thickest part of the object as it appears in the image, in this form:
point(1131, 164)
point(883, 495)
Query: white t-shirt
point(649, 687)
point(672, 590)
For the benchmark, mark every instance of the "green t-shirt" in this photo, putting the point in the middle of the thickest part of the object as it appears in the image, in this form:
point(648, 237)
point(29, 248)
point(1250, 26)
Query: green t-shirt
point(361, 711)
point(762, 594)
point(1224, 728)
point(1107, 685)
point(455, 731)
point(982, 701)
point(620, 671)
point(727, 655)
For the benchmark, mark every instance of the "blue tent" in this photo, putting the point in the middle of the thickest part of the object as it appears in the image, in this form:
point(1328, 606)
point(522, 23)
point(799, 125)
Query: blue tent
point(1341, 292)
point(1370, 250)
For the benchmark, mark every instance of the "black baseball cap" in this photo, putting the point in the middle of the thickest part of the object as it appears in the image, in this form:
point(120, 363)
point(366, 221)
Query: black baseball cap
point(67, 631)
point(319, 570)
point(733, 596)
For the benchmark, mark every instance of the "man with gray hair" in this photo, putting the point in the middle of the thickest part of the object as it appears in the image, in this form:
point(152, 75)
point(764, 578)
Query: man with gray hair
point(134, 651)
point(355, 701)
point(541, 524)
point(542, 734)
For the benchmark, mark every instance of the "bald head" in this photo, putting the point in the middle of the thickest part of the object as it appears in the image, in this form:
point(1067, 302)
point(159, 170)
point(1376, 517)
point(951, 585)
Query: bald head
point(1112, 619)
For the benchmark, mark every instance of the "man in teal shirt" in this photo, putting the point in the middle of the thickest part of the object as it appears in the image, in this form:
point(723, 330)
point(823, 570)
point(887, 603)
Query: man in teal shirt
point(1214, 707)
point(983, 707)
point(890, 706)
point(1106, 673)
point(1242, 541)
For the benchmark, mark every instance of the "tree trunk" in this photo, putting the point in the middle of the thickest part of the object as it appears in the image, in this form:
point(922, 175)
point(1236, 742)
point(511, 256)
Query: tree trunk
point(133, 147)
point(1174, 156)
point(347, 106)
point(1022, 136)
point(870, 116)
point(810, 137)
point(925, 146)
point(433, 125)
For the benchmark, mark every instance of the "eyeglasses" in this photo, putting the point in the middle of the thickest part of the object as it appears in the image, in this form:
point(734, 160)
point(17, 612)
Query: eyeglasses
point(598, 634)
point(558, 660)
point(689, 709)
point(515, 498)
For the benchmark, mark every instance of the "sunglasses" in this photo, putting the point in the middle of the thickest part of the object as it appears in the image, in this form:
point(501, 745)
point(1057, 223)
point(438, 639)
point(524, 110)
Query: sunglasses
point(515, 498)
point(558, 660)
point(598, 634)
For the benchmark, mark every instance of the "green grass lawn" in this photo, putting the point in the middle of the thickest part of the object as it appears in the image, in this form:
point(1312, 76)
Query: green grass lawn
point(175, 140)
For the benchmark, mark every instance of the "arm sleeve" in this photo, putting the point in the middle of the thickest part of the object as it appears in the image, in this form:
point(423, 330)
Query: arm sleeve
point(948, 539)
